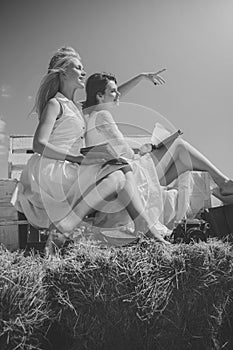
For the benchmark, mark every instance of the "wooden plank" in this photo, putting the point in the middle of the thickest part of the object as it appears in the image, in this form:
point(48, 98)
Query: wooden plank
point(7, 187)
point(15, 174)
point(21, 142)
point(9, 237)
point(17, 162)
point(13, 232)
point(8, 212)
point(13, 222)
point(19, 159)
point(20, 150)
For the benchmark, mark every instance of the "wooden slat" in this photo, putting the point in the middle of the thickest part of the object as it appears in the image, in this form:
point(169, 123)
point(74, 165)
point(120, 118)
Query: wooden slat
point(15, 174)
point(9, 237)
point(19, 158)
point(8, 212)
point(13, 222)
point(20, 150)
point(23, 142)
point(7, 187)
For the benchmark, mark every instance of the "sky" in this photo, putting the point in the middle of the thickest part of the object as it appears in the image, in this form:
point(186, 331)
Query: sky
point(192, 39)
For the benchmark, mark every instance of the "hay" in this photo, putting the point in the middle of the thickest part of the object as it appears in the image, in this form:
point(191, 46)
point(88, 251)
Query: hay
point(23, 312)
point(141, 297)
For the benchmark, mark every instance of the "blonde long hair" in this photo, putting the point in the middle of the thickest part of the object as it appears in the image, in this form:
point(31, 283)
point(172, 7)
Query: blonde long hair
point(50, 83)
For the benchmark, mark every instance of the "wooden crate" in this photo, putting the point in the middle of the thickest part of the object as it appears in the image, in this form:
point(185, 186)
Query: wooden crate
point(20, 150)
point(13, 225)
point(15, 231)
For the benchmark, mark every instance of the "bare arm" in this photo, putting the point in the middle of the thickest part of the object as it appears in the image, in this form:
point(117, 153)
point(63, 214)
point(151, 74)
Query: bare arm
point(41, 143)
point(109, 129)
point(131, 83)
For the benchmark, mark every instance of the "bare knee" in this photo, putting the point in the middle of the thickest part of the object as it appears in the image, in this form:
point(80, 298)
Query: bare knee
point(182, 144)
point(118, 179)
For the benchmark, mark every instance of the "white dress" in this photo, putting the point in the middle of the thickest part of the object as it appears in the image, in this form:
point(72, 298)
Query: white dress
point(49, 189)
point(101, 127)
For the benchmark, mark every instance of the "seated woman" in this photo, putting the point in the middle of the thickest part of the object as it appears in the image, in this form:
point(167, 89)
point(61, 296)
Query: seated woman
point(182, 156)
point(101, 128)
point(59, 186)
point(102, 94)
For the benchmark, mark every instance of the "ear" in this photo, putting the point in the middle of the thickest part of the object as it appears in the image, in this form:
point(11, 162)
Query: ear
point(99, 97)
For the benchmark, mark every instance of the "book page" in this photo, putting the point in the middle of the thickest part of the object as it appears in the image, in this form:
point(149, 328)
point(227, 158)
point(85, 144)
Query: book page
point(159, 133)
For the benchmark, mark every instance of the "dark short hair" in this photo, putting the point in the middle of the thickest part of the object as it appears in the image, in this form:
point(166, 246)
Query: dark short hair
point(95, 84)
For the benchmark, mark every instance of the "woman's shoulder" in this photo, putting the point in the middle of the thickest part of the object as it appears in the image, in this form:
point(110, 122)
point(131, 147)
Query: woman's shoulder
point(104, 116)
point(53, 105)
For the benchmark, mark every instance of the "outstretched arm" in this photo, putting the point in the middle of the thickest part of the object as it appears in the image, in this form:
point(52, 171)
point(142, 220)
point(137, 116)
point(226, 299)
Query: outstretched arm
point(131, 83)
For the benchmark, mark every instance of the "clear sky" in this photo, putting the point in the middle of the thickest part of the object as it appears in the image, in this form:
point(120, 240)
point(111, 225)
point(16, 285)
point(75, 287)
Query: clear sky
point(193, 39)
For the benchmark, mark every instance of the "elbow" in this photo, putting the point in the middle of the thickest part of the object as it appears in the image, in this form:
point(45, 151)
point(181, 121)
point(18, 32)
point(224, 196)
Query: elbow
point(38, 146)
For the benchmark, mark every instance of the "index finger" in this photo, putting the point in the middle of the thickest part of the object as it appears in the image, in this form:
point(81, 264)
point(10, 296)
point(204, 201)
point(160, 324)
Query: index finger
point(160, 71)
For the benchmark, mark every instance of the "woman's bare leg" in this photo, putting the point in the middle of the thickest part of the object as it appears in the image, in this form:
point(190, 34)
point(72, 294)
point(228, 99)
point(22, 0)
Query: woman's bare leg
point(226, 199)
point(173, 172)
point(130, 198)
point(182, 156)
point(227, 188)
point(60, 232)
point(113, 183)
point(125, 186)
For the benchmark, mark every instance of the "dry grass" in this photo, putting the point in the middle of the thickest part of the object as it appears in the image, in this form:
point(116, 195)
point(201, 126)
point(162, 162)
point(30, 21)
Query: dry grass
point(23, 312)
point(142, 297)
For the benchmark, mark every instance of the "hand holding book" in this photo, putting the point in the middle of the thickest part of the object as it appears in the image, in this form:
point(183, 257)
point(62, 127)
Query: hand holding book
point(149, 147)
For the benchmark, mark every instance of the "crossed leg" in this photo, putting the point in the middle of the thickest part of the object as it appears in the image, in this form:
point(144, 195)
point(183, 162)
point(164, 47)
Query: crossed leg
point(125, 187)
point(130, 198)
point(180, 157)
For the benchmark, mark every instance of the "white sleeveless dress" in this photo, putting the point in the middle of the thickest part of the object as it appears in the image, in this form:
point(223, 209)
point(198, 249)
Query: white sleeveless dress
point(101, 127)
point(49, 189)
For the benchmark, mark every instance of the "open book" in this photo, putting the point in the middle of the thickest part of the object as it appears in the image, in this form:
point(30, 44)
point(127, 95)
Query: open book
point(166, 140)
point(103, 150)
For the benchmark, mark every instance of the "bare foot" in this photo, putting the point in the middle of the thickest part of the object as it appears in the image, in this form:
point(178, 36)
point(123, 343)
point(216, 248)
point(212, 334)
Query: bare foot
point(157, 237)
point(67, 225)
point(227, 188)
point(226, 199)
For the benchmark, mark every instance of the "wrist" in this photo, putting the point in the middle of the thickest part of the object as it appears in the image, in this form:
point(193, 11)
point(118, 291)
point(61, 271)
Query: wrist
point(69, 158)
point(142, 75)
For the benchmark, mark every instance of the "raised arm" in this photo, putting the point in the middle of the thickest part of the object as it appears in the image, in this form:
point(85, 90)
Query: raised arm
point(154, 77)
point(41, 143)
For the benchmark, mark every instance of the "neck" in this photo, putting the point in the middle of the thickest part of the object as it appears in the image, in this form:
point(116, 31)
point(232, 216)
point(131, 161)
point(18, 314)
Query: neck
point(68, 92)
point(102, 107)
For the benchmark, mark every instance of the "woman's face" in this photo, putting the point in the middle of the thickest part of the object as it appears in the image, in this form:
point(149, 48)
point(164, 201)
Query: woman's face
point(111, 94)
point(75, 74)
